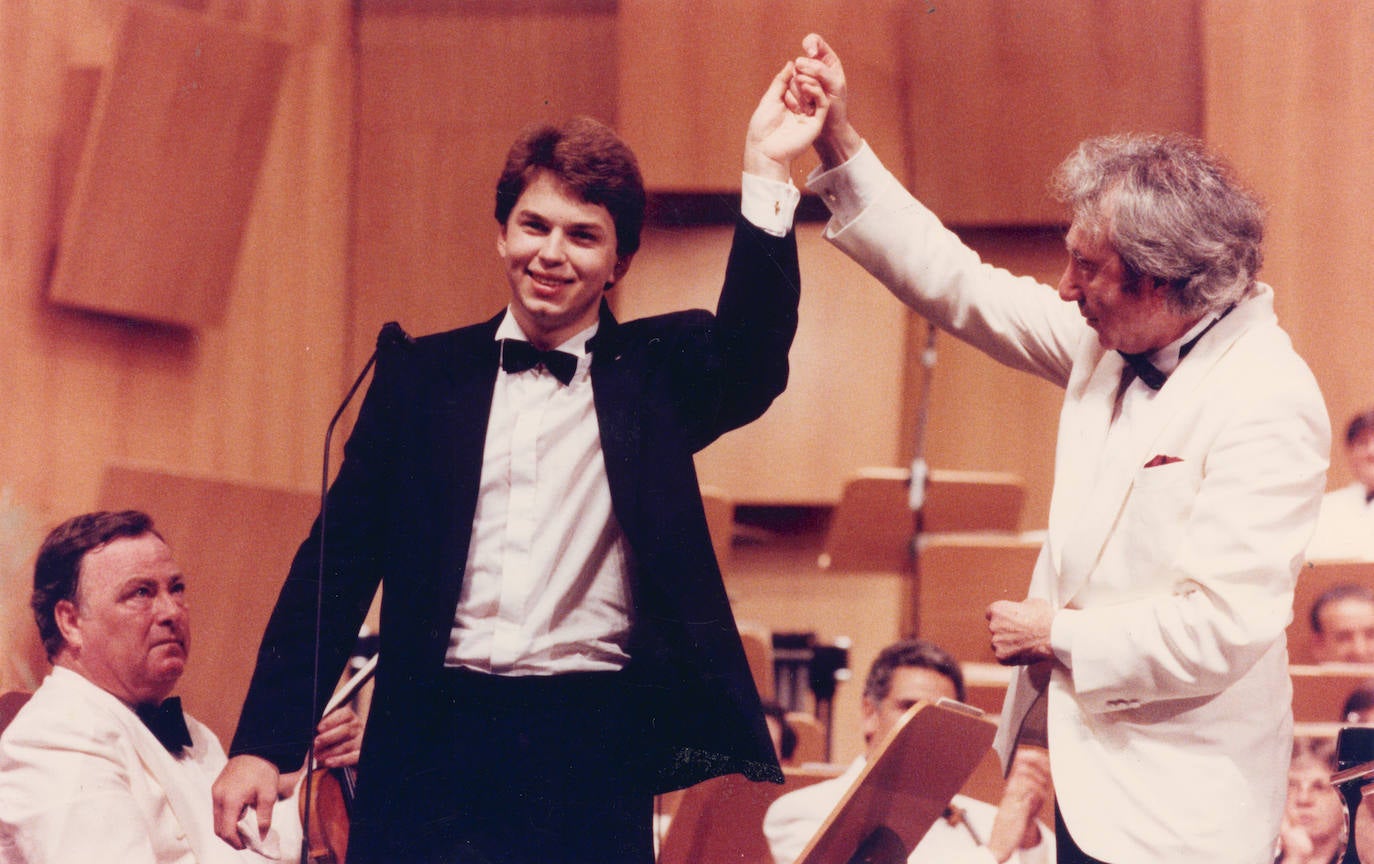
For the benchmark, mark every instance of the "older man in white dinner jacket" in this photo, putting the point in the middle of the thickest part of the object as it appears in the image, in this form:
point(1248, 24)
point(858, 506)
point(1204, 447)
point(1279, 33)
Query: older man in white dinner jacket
point(1176, 528)
point(125, 797)
point(100, 765)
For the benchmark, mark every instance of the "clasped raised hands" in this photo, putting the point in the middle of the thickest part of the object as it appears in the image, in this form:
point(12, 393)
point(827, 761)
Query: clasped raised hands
point(777, 134)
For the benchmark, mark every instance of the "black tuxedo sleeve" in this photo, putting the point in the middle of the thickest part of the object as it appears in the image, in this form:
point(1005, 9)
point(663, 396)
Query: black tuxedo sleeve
point(753, 329)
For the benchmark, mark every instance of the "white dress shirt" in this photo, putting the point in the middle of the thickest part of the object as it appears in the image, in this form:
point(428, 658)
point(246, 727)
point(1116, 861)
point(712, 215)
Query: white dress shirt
point(547, 586)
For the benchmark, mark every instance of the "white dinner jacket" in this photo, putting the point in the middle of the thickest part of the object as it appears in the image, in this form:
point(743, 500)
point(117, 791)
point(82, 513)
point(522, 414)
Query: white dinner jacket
point(1169, 717)
point(83, 780)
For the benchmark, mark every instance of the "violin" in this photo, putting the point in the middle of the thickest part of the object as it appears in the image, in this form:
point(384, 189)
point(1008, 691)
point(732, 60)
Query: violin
point(329, 816)
point(326, 801)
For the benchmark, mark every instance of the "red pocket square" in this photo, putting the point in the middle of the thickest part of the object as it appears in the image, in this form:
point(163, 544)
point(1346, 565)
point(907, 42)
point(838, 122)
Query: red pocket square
point(1161, 459)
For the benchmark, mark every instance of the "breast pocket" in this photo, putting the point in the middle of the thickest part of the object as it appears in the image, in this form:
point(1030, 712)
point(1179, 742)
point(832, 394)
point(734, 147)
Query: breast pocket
point(1155, 524)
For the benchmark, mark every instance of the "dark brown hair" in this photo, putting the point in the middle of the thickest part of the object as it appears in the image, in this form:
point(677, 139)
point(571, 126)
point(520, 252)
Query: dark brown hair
point(57, 571)
point(915, 654)
point(591, 161)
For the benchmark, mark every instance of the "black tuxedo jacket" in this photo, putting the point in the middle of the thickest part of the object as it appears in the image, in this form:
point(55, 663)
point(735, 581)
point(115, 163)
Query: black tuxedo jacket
point(400, 513)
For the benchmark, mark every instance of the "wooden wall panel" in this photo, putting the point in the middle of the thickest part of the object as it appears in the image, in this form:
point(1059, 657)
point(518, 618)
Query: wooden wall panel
point(167, 175)
point(986, 99)
point(248, 397)
point(445, 89)
point(23, 662)
point(982, 415)
point(1001, 92)
point(840, 410)
point(691, 73)
point(1291, 102)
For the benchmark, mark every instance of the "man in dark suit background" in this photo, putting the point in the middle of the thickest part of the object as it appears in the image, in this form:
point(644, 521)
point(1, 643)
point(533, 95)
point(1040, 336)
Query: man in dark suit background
point(556, 642)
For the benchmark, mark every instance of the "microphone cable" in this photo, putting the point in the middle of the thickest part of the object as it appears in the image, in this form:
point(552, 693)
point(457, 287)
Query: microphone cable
point(390, 334)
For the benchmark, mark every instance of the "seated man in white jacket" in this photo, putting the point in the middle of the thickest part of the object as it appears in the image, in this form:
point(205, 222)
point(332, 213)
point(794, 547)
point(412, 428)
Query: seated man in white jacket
point(903, 674)
point(1345, 525)
point(100, 765)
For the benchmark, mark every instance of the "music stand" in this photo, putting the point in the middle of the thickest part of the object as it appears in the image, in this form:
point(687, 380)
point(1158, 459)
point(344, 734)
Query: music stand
point(905, 787)
point(1354, 774)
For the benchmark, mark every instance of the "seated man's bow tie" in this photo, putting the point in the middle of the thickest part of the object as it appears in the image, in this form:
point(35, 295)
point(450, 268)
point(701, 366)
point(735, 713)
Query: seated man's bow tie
point(518, 355)
point(167, 723)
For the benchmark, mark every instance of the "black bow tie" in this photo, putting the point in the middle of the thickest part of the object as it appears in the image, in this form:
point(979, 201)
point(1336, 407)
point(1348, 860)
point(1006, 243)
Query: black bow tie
point(167, 723)
point(1149, 373)
point(1145, 370)
point(518, 355)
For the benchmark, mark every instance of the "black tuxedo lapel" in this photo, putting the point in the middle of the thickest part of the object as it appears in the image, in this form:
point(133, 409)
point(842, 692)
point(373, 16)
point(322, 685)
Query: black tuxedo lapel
point(615, 391)
point(464, 373)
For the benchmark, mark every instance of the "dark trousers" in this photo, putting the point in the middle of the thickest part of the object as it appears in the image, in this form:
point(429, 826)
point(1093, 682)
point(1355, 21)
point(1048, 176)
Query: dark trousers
point(1066, 850)
point(530, 769)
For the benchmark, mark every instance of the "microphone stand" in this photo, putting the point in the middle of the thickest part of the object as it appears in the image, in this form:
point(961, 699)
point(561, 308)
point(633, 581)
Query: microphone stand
point(390, 334)
point(920, 472)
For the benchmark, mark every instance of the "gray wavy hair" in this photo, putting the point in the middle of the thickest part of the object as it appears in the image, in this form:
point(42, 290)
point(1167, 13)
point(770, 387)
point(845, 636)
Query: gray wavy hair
point(1172, 210)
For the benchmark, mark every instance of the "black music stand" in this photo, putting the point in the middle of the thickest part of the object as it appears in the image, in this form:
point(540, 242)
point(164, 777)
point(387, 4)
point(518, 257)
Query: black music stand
point(1354, 772)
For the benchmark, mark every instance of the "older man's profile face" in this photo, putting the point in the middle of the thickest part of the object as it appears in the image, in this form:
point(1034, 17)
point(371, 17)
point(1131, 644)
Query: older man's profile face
point(1131, 316)
point(128, 630)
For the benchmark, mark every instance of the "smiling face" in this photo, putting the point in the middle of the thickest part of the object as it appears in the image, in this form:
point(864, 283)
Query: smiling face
point(1129, 313)
point(560, 254)
point(128, 630)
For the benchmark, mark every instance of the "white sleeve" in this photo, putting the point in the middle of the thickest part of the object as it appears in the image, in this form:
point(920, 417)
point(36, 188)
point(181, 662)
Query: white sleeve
point(1015, 320)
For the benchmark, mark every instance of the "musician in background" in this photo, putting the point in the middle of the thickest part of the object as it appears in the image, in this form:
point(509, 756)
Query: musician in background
point(973, 832)
point(1342, 620)
point(100, 765)
point(1314, 822)
point(1345, 526)
point(780, 730)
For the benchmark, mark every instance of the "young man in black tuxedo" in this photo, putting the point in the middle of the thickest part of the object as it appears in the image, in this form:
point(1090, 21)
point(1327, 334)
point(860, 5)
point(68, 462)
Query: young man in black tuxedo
point(556, 642)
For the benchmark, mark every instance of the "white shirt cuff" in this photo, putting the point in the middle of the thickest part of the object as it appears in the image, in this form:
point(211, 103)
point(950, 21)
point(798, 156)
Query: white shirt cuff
point(848, 188)
point(769, 205)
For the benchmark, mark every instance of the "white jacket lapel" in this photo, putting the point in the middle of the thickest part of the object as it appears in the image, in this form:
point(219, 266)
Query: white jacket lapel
point(1084, 422)
point(190, 809)
point(193, 813)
